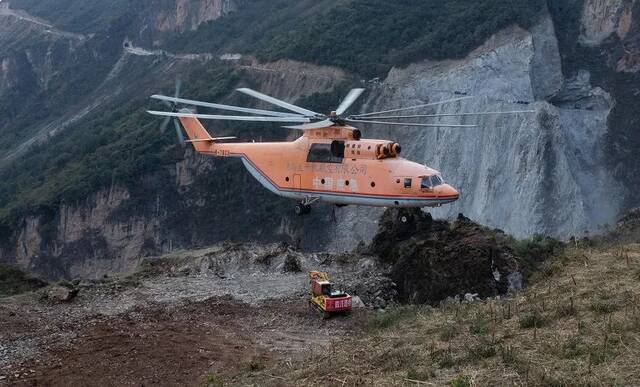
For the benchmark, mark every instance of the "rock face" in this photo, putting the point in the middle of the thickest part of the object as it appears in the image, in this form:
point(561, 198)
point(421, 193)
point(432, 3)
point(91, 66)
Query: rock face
point(540, 172)
point(189, 14)
point(601, 18)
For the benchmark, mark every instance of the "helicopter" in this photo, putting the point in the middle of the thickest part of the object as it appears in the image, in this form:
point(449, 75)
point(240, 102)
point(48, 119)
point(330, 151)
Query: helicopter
point(331, 162)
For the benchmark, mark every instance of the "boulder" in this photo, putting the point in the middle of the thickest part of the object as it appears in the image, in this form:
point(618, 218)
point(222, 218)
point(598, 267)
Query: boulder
point(58, 293)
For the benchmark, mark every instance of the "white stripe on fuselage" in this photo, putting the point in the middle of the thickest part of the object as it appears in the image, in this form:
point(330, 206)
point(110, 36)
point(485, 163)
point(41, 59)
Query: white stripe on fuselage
point(338, 198)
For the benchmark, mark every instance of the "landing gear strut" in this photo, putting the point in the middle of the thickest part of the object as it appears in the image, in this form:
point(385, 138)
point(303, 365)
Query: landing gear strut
point(304, 207)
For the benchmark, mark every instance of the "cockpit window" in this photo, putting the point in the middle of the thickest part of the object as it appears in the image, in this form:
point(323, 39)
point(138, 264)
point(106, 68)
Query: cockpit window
point(326, 153)
point(431, 181)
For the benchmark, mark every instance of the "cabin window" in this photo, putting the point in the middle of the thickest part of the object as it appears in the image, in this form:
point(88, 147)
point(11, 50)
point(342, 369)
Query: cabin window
point(407, 182)
point(326, 153)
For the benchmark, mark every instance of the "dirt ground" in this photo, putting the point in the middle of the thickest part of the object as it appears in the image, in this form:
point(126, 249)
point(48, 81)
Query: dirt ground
point(182, 345)
point(176, 326)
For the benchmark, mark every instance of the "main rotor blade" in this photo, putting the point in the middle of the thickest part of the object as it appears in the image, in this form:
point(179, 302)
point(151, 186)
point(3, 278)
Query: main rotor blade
point(230, 118)
point(278, 102)
point(413, 107)
point(448, 115)
point(315, 125)
point(349, 100)
point(222, 107)
point(412, 124)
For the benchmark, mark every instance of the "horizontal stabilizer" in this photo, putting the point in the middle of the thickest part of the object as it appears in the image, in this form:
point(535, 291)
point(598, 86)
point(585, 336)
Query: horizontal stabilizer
point(212, 139)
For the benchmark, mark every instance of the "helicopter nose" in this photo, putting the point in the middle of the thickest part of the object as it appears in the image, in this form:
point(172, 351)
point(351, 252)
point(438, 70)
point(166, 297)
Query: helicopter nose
point(448, 191)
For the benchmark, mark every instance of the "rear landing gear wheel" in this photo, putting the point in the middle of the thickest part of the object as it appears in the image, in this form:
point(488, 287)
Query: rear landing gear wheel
point(404, 219)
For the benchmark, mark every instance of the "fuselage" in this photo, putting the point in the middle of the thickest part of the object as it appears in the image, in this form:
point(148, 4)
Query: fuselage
point(334, 166)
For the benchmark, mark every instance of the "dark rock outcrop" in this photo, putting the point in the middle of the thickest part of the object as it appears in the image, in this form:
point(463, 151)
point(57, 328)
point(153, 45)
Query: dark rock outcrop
point(434, 259)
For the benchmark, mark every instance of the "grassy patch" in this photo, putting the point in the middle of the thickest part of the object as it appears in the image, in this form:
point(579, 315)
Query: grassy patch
point(532, 320)
point(600, 354)
point(448, 332)
point(481, 351)
point(480, 325)
point(212, 380)
point(574, 348)
point(390, 317)
point(603, 306)
point(443, 358)
point(461, 381)
point(594, 349)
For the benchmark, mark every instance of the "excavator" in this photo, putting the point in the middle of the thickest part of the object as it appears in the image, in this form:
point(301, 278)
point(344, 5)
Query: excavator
point(324, 298)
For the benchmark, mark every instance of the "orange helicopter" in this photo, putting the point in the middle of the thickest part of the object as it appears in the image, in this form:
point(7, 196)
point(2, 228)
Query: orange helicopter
point(330, 162)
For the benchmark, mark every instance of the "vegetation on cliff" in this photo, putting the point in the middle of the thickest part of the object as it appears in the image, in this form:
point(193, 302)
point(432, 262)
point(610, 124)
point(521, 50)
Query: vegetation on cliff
point(363, 36)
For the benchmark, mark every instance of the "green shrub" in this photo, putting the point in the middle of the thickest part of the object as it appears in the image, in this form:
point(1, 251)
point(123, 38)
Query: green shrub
point(532, 320)
point(574, 348)
point(603, 306)
point(213, 380)
point(461, 381)
point(481, 351)
point(480, 325)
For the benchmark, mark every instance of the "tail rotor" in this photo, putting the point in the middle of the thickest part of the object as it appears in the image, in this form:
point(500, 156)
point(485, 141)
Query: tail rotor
point(173, 107)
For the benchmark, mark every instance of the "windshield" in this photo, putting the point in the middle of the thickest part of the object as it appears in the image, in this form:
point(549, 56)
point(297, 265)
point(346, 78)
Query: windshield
point(431, 181)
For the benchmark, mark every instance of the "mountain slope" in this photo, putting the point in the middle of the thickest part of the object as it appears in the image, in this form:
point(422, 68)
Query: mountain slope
point(89, 182)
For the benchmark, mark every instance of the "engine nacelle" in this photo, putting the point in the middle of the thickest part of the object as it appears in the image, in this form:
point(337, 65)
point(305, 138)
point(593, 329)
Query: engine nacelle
point(391, 149)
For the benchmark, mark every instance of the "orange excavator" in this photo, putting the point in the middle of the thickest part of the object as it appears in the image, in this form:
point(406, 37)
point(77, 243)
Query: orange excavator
point(326, 300)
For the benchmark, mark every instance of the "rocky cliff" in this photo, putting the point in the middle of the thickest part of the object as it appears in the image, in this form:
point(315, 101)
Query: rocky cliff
point(541, 172)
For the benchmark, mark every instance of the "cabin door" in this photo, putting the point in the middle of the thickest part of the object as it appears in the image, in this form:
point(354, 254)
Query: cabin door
point(297, 182)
